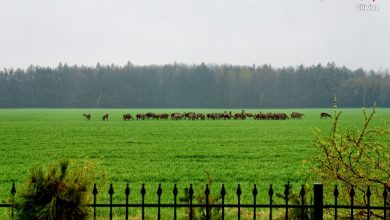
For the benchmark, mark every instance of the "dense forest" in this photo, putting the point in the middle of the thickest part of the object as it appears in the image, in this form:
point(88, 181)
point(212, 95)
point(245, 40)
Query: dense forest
point(192, 86)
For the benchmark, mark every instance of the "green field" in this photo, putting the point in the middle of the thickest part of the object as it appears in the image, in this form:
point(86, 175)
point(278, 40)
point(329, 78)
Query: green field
point(167, 152)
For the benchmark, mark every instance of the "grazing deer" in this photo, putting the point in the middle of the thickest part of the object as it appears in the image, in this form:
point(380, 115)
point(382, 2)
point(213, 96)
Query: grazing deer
point(105, 117)
point(127, 117)
point(296, 115)
point(87, 116)
point(325, 115)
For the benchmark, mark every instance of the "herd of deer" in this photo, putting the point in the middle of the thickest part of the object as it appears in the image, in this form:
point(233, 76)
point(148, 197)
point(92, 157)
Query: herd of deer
point(213, 116)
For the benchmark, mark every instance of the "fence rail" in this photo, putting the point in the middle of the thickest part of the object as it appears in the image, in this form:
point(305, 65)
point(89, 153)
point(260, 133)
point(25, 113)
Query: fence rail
point(317, 209)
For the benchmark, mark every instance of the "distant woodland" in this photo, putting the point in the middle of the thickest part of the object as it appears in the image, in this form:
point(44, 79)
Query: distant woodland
point(192, 86)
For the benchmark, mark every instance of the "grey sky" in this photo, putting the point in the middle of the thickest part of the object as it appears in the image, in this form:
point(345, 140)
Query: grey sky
point(276, 32)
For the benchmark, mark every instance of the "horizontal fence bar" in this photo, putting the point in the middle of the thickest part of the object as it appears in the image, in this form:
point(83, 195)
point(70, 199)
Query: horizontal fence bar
point(152, 205)
point(355, 207)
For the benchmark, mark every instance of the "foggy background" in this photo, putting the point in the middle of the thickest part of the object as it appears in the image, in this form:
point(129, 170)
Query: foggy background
point(194, 53)
point(280, 33)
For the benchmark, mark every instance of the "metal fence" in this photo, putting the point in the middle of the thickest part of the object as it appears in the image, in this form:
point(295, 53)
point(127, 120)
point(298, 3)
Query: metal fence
point(316, 209)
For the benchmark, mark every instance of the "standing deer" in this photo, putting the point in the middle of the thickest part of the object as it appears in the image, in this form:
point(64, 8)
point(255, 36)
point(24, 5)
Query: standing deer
point(127, 117)
point(87, 116)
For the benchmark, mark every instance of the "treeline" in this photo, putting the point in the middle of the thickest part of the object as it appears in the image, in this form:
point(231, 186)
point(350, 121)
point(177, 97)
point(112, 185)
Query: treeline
point(190, 86)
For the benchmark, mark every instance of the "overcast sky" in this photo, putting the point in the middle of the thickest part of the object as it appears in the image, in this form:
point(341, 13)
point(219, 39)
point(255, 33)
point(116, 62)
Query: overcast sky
point(245, 32)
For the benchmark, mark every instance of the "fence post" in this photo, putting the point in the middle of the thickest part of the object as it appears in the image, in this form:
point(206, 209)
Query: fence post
point(238, 192)
point(318, 201)
point(127, 193)
point(111, 192)
point(13, 192)
point(286, 193)
point(223, 193)
point(302, 194)
point(385, 194)
point(208, 209)
point(159, 192)
point(143, 192)
point(254, 193)
point(368, 194)
point(191, 194)
point(352, 195)
point(94, 192)
point(270, 193)
point(336, 195)
point(175, 191)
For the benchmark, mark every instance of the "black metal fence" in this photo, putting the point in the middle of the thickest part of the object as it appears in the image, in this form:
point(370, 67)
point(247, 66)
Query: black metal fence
point(317, 208)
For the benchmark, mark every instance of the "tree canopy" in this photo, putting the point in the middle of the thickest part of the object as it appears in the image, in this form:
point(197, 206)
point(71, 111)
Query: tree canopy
point(187, 86)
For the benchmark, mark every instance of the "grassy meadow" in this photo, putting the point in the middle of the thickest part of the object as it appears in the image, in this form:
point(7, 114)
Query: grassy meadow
point(156, 151)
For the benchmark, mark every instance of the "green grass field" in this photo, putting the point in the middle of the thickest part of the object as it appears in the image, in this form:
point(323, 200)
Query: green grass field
point(167, 152)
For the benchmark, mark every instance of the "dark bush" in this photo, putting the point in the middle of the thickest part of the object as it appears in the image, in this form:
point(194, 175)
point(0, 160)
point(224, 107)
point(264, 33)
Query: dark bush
point(58, 194)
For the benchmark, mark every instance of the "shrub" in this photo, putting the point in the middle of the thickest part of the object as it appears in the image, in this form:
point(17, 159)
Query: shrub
point(355, 159)
point(58, 194)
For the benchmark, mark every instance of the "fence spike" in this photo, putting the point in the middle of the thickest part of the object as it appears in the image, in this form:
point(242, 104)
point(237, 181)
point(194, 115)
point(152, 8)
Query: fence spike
point(143, 190)
point(254, 191)
point(368, 193)
point(238, 192)
point(95, 190)
point(223, 191)
point(385, 194)
point(335, 192)
point(287, 190)
point(207, 190)
point(352, 193)
point(175, 191)
point(270, 191)
point(111, 190)
point(302, 192)
point(159, 190)
point(127, 190)
point(191, 191)
point(13, 189)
